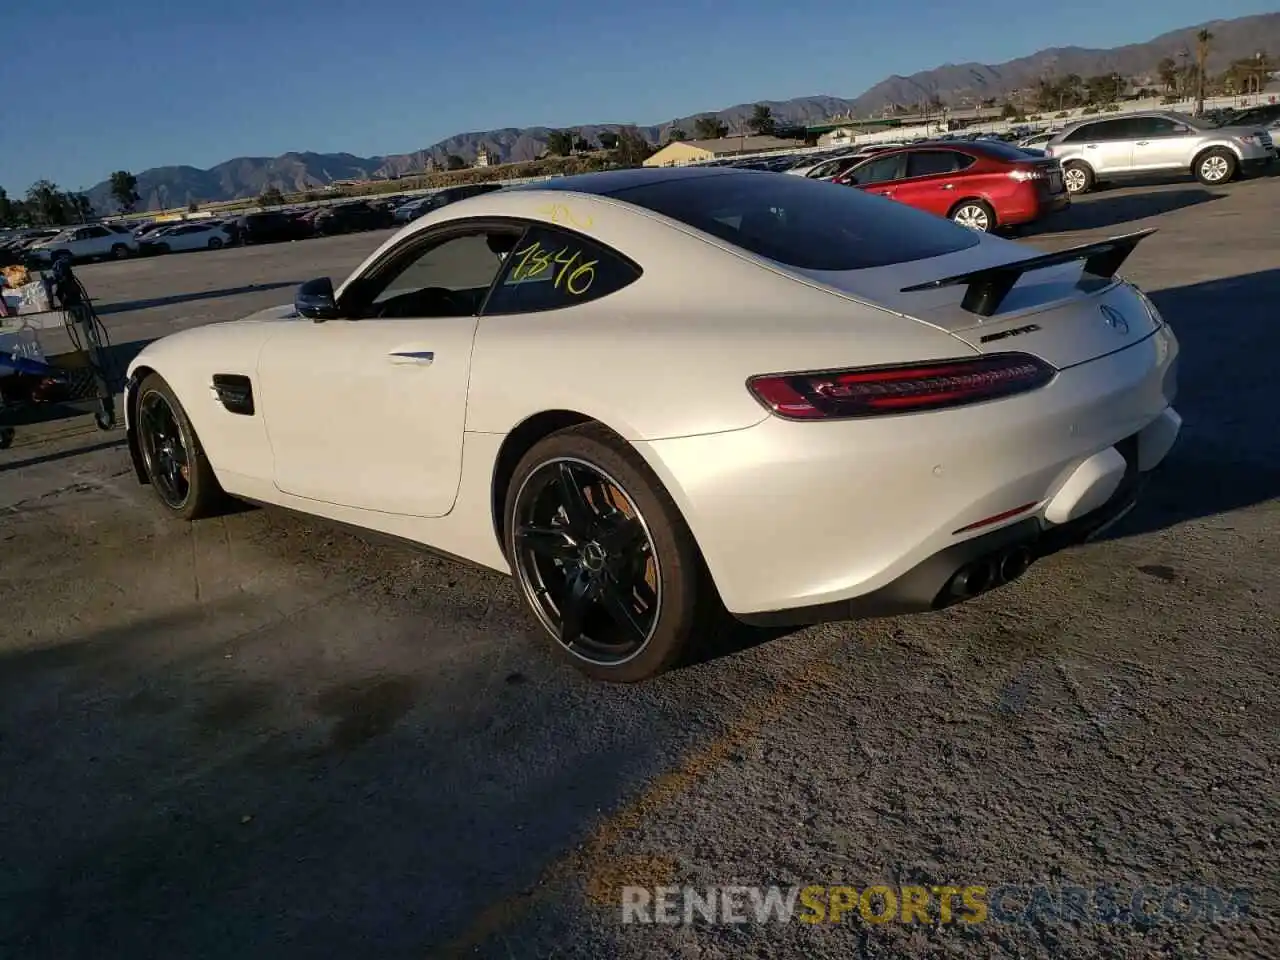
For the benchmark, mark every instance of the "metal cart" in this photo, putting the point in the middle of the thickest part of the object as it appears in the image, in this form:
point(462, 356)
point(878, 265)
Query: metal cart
point(32, 390)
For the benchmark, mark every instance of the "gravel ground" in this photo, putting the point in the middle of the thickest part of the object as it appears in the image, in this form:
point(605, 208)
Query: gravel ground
point(258, 737)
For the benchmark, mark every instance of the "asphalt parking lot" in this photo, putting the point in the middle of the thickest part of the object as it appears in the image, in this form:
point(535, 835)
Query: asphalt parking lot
point(259, 737)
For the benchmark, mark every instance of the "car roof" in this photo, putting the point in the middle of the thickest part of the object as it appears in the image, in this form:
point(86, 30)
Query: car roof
point(608, 182)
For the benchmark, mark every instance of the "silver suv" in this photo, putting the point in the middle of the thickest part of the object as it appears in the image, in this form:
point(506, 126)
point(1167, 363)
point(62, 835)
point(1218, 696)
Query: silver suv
point(1138, 144)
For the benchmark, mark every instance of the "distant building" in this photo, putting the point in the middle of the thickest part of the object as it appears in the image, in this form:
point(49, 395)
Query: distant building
point(680, 152)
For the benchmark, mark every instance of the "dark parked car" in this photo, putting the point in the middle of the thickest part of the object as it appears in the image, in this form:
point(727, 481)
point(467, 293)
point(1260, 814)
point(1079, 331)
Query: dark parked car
point(268, 228)
point(352, 218)
point(441, 198)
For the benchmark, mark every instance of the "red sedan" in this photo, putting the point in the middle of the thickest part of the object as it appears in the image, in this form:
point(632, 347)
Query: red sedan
point(980, 184)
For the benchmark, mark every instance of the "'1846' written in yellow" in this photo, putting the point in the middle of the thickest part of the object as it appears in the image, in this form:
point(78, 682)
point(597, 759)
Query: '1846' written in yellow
point(571, 272)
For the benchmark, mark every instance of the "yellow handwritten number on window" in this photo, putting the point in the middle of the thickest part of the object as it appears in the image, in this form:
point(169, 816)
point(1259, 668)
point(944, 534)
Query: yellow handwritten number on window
point(575, 275)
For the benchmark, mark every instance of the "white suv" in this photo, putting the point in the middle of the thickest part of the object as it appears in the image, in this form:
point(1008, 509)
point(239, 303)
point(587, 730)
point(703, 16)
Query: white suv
point(1141, 144)
point(97, 242)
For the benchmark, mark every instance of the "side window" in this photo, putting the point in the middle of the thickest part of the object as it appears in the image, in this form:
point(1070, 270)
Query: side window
point(1112, 130)
point(928, 163)
point(551, 269)
point(1082, 134)
point(448, 278)
point(878, 171)
point(97, 232)
point(1147, 127)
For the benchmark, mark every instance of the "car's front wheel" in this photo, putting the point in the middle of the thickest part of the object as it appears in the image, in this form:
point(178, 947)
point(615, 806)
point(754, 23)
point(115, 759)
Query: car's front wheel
point(1215, 166)
point(120, 251)
point(176, 466)
point(215, 243)
point(603, 557)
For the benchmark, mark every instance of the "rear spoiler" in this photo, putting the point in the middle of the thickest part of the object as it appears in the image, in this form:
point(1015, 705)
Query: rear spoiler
point(989, 286)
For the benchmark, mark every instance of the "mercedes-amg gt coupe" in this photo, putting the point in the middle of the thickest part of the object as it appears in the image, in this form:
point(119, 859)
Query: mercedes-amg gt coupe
point(651, 395)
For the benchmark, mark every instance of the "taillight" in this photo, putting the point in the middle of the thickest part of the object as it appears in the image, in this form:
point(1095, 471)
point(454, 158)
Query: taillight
point(905, 388)
point(1023, 174)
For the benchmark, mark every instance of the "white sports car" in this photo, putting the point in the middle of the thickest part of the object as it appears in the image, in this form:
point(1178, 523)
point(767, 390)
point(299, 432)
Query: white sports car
point(653, 394)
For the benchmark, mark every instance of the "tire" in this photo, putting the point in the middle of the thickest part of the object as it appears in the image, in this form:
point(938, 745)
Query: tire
point(199, 495)
point(215, 243)
point(640, 553)
point(6, 437)
point(61, 255)
point(974, 214)
point(1080, 174)
point(1215, 166)
point(120, 252)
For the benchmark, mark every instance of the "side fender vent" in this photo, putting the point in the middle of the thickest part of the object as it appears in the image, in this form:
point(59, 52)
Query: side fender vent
point(235, 392)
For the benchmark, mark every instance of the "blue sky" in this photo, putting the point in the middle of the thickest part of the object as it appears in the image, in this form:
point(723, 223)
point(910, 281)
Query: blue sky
point(93, 87)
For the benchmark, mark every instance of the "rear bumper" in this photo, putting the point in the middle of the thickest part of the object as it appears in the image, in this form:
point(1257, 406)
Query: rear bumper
point(974, 566)
point(1028, 204)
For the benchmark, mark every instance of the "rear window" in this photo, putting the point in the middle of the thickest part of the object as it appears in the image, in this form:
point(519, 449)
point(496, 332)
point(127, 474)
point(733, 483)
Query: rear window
point(802, 223)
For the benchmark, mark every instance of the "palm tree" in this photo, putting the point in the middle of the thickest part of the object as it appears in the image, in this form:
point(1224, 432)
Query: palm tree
point(1203, 39)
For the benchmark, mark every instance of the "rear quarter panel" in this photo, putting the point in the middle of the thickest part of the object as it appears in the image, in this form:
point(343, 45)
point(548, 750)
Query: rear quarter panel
point(670, 354)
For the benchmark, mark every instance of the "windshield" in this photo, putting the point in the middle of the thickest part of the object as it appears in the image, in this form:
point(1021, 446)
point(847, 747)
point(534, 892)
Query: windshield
point(800, 222)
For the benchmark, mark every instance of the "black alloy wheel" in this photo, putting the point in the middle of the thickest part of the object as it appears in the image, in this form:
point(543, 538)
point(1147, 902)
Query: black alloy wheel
point(586, 561)
point(165, 450)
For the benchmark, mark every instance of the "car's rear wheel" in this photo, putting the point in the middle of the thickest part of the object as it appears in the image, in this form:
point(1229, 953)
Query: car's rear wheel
point(603, 557)
point(1077, 177)
point(215, 243)
point(974, 214)
point(120, 251)
point(175, 463)
point(1215, 166)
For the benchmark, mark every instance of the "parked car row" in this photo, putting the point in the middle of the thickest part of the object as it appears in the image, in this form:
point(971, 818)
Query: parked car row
point(37, 247)
point(989, 181)
point(14, 244)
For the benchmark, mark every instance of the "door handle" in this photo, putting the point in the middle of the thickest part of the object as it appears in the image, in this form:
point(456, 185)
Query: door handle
point(948, 186)
point(886, 193)
point(419, 357)
point(1142, 143)
point(1091, 146)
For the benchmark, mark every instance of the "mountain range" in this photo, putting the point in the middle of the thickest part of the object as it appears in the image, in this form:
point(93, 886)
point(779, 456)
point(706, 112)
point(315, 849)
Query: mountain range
point(245, 177)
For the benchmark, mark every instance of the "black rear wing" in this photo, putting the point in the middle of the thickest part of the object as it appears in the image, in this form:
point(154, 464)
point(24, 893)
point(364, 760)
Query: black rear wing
point(989, 286)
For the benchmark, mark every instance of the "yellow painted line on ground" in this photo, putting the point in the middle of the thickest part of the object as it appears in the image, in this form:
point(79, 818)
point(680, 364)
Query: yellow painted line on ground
point(597, 862)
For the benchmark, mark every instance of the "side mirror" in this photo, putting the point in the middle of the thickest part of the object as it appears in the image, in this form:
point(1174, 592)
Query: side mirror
point(315, 300)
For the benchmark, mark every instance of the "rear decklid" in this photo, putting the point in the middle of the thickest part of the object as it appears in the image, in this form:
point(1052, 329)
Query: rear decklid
point(1065, 307)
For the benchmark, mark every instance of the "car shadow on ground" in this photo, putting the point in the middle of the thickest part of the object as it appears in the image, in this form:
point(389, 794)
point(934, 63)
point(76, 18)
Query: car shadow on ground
point(1096, 212)
point(1228, 456)
point(124, 306)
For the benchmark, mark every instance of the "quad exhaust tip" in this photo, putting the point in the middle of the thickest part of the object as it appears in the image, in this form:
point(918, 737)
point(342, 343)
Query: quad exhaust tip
point(1014, 563)
point(988, 572)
